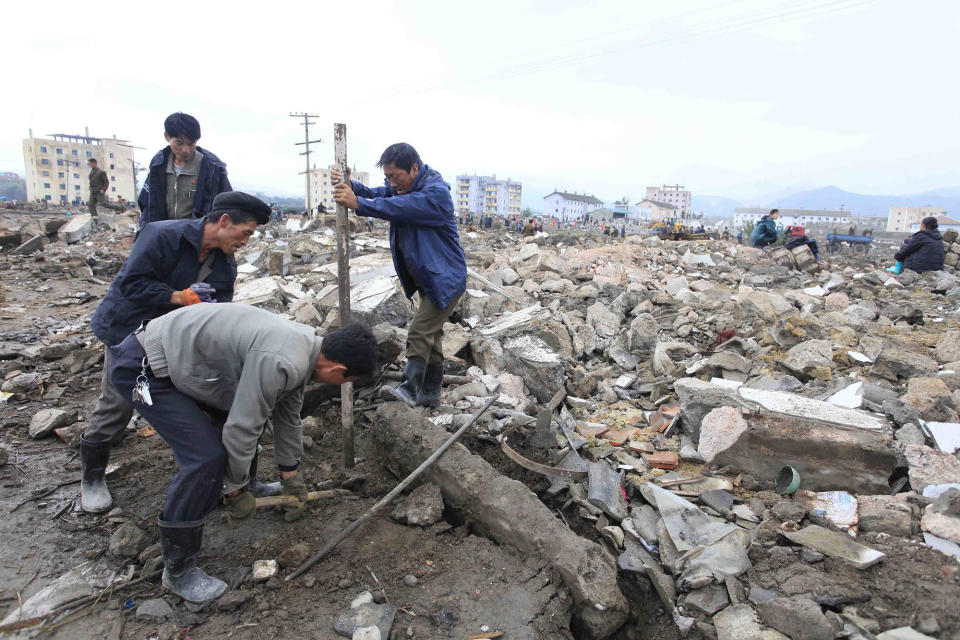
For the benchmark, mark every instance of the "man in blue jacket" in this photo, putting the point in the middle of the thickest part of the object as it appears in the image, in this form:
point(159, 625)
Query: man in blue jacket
point(183, 179)
point(173, 263)
point(765, 233)
point(426, 255)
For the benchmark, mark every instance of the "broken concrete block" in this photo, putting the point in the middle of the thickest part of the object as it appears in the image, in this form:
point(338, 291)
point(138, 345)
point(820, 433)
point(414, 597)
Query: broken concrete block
point(455, 338)
point(738, 622)
point(391, 341)
point(605, 491)
point(533, 360)
point(903, 633)
point(948, 346)
point(32, 245)
point(128, 541)
point(46, 420)
point(886, 514)
point(509, 513)
point(928, 466)
point(263, 570)
point(799, 618)
point(261, 292)
point(809, 436)
point(835, 545)
point(364, 616)
point(707, 600)
point(720, 429)
point(77, 229)
point(71, 586)
point(422, 508)
point(894, 363)
point(697, 399)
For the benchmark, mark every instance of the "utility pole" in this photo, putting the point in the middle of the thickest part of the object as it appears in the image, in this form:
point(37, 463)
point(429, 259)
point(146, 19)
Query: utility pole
point(307, 121)
point(343, 287)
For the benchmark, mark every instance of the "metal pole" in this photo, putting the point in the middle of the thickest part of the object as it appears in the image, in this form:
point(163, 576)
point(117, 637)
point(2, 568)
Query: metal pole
point(385, 500)
point(343, 286)
point(306, 152)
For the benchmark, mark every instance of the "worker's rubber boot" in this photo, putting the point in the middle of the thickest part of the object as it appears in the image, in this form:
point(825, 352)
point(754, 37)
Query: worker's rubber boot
point(180, 546)
point(430, 392)
point(409, 387)
point(895, 269)
point(261, 489)
point(94, 495)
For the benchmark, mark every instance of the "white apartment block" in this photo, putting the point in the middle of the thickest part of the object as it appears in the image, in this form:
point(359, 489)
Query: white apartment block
point(488, 195)
point(322, 191)
point(569, 206)
point(802, 217)
point(902, 219)
point(671, 194)
point(57, 169)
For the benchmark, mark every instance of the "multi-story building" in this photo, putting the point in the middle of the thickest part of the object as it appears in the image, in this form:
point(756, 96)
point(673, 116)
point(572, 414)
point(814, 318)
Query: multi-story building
point(322, 190)
point(488, 195)
point(901, 219)
point(57, 170)
point(802, 217)
point(569, 206)
point(656, 211)
point(671, 194)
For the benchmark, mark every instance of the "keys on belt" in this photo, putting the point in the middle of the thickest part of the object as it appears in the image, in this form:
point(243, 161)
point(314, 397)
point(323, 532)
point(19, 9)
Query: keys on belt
point(141, 389)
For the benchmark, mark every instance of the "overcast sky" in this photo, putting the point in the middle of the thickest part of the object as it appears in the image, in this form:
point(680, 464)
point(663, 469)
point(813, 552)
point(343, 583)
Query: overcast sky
point(740, 98)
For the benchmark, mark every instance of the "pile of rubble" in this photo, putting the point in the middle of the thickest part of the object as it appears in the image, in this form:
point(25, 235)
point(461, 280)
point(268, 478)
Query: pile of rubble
point(755, 444)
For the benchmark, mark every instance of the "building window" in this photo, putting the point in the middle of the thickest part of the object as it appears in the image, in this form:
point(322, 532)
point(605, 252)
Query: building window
point(59, 150)
point(111, 155)
point(76, 176)
point(89, 153)
point(60, 174)
point(43, 149)
point(44, 161)
point(73, 152)
point(45, 173)
point(59, 163)
point(76, 187)
point(46, 185)
point(112, 178)
point(47, 197)
point(111, 167)
point(63, 187)
point(114, 189)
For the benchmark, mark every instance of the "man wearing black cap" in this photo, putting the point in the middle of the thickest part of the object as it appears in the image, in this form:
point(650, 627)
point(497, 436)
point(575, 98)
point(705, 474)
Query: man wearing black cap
point(183, 179)
point(173, 263)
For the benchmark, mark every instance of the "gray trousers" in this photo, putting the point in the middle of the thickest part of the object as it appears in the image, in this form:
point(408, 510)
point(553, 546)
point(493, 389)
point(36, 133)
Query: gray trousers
point(112, 413)
point(425, 333)
point(102, 199)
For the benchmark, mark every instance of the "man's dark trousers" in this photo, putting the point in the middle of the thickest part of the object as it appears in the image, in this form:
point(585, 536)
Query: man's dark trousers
point(195, 488)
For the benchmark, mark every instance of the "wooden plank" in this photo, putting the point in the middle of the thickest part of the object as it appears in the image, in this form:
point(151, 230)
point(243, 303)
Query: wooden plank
point(343, 288)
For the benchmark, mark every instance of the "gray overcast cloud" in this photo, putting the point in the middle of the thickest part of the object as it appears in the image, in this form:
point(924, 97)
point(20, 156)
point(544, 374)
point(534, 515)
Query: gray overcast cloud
point(736, 98)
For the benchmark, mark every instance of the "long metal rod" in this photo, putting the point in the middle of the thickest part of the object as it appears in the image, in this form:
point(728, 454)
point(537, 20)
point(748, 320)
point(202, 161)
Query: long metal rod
point(385, 500)
point(343, 287)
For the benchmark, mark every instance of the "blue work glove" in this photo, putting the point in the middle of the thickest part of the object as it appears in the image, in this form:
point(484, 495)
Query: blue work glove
point(204, 291)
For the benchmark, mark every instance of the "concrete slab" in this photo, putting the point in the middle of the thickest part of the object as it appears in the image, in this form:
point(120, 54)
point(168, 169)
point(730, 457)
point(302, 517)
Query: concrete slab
point(738, 622)
point(835, 545)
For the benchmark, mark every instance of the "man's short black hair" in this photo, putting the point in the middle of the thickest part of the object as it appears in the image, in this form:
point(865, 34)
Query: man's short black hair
point(773, 211)
point(930, 223)
point(401, 155)
point(182, 125)
point(93, 160)
point(352, 346)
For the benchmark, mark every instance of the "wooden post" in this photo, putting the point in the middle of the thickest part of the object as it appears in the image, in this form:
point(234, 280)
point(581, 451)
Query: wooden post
point(343, 286)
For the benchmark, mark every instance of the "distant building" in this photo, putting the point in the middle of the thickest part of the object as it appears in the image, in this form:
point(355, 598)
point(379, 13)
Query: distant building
point(874, 223)
point(803, 217)
point(943, 224)
point(323, 190)
point(57, 169)
point(488, 195)
point(657, 211)
point(569, 206)
point(675, 195)
point(900, 219)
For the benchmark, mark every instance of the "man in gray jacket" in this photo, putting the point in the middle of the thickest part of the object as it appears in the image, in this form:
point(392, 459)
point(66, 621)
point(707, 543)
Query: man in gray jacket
point(189, 368)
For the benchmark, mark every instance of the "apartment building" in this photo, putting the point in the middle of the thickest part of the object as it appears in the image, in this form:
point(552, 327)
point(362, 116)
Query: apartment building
point(902, 219)
point(57, 170)
point(488, 195)
point(569, 206)
point(322, 190)
point(674, 195)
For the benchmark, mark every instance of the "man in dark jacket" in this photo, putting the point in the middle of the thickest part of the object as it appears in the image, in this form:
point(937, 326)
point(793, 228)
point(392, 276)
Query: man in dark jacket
point(173, 263)
point(923, 251)
point(426, 255)
point(765, 233)
point(99, 183)
point(183, 179)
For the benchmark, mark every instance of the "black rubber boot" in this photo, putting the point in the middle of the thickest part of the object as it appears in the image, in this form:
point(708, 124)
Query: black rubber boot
point(409, 388)
point(261, 489)
point(94, 495)
point(430, 393)
point(180, 546)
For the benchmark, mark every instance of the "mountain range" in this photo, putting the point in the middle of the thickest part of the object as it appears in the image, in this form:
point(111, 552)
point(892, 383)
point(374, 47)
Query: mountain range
point(832, 198)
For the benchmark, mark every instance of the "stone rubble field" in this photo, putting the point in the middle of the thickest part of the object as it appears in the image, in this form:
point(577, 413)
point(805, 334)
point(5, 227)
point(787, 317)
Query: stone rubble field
point(629, 481)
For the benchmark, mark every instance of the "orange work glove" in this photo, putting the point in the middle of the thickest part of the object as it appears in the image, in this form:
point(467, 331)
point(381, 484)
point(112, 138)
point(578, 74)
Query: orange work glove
point(189, 296)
